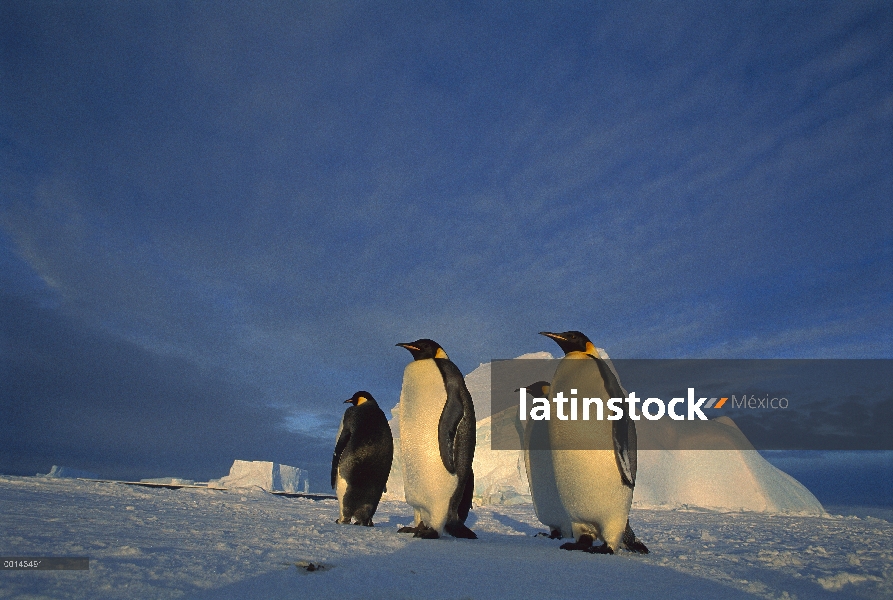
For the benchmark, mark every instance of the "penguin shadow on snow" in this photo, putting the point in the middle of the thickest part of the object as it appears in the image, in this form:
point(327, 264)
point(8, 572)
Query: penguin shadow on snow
point(397, 521)
point(393, 521)
point(515, 524)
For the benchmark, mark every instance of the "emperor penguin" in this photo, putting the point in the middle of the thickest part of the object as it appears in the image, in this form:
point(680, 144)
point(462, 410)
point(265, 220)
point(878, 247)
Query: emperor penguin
point(541, 472)
point(362, 459)
point(594, 461)
point(437, 440)
point(541, 479)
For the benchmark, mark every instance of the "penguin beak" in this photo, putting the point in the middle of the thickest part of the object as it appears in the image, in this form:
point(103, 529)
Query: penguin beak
point(531, 392)
point(349, 401)
point(554, 336)
point(408, 347)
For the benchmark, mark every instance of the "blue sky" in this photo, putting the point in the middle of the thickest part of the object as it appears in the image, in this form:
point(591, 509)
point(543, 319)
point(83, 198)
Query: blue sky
point(217, 220)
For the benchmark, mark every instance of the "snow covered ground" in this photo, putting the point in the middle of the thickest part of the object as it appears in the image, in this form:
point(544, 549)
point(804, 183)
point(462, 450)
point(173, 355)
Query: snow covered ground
point(204, 543)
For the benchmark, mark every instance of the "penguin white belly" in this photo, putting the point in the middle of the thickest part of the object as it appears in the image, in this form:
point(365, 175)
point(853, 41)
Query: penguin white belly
point(593, 494)
point(340, 482)
point(427, 484)
point(340, 486)
point(586, 472)
point(340, 491)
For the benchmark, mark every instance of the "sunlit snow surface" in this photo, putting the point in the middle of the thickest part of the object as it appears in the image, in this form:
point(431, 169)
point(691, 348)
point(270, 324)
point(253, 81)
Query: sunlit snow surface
point(197, 543)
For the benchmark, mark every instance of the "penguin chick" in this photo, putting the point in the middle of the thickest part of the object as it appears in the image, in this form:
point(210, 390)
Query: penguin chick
point(362, 459)
point(437, 440)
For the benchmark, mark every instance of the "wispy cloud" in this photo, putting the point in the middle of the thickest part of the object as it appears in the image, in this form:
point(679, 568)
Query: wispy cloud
point(280, 196)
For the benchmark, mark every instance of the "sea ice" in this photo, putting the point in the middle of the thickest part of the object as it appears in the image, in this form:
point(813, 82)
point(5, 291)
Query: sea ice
point(58, 471)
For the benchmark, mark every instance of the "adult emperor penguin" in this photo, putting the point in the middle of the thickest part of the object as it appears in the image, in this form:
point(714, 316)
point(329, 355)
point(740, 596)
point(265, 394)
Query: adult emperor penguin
point(437, 439)
point(541, 479)
point(541, 472)
point(362, 459)
point(595, 460)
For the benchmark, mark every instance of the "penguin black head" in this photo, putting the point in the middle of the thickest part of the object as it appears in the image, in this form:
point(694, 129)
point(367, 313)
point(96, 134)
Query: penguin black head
point(424, 348)
point(572, 341)
point(540, 389)
point(360, 397)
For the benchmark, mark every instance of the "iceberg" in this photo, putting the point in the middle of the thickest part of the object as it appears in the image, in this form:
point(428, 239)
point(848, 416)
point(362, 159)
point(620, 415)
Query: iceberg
point(269, 476)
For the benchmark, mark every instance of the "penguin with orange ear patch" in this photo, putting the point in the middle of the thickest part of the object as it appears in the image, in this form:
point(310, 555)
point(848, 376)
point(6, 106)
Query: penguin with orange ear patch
point(362, 459)
point(437, 439)
point(541, 473)
point(541, 478)
point(594, 461)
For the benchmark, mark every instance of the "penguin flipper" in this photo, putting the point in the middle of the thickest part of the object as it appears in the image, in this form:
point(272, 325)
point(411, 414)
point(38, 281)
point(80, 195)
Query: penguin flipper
point(623, 431)
point(453, 411)
point(624, 437)
point(458, 529)
point(340, 445)
point(467, 495)
point(631, 542)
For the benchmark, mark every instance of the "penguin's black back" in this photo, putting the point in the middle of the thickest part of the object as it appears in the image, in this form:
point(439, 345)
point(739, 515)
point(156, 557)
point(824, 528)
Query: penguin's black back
point(457, 432)
point(366, 456)
point(622, 431)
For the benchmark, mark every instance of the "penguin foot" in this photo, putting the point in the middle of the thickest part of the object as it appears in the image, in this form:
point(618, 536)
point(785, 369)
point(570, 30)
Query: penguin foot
point(603, 549)
point(552, 535)
point(459, 530)
point(366, 523)
point(408, 529)
point(426, 533)
point(584, 543)
point(631, 542)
